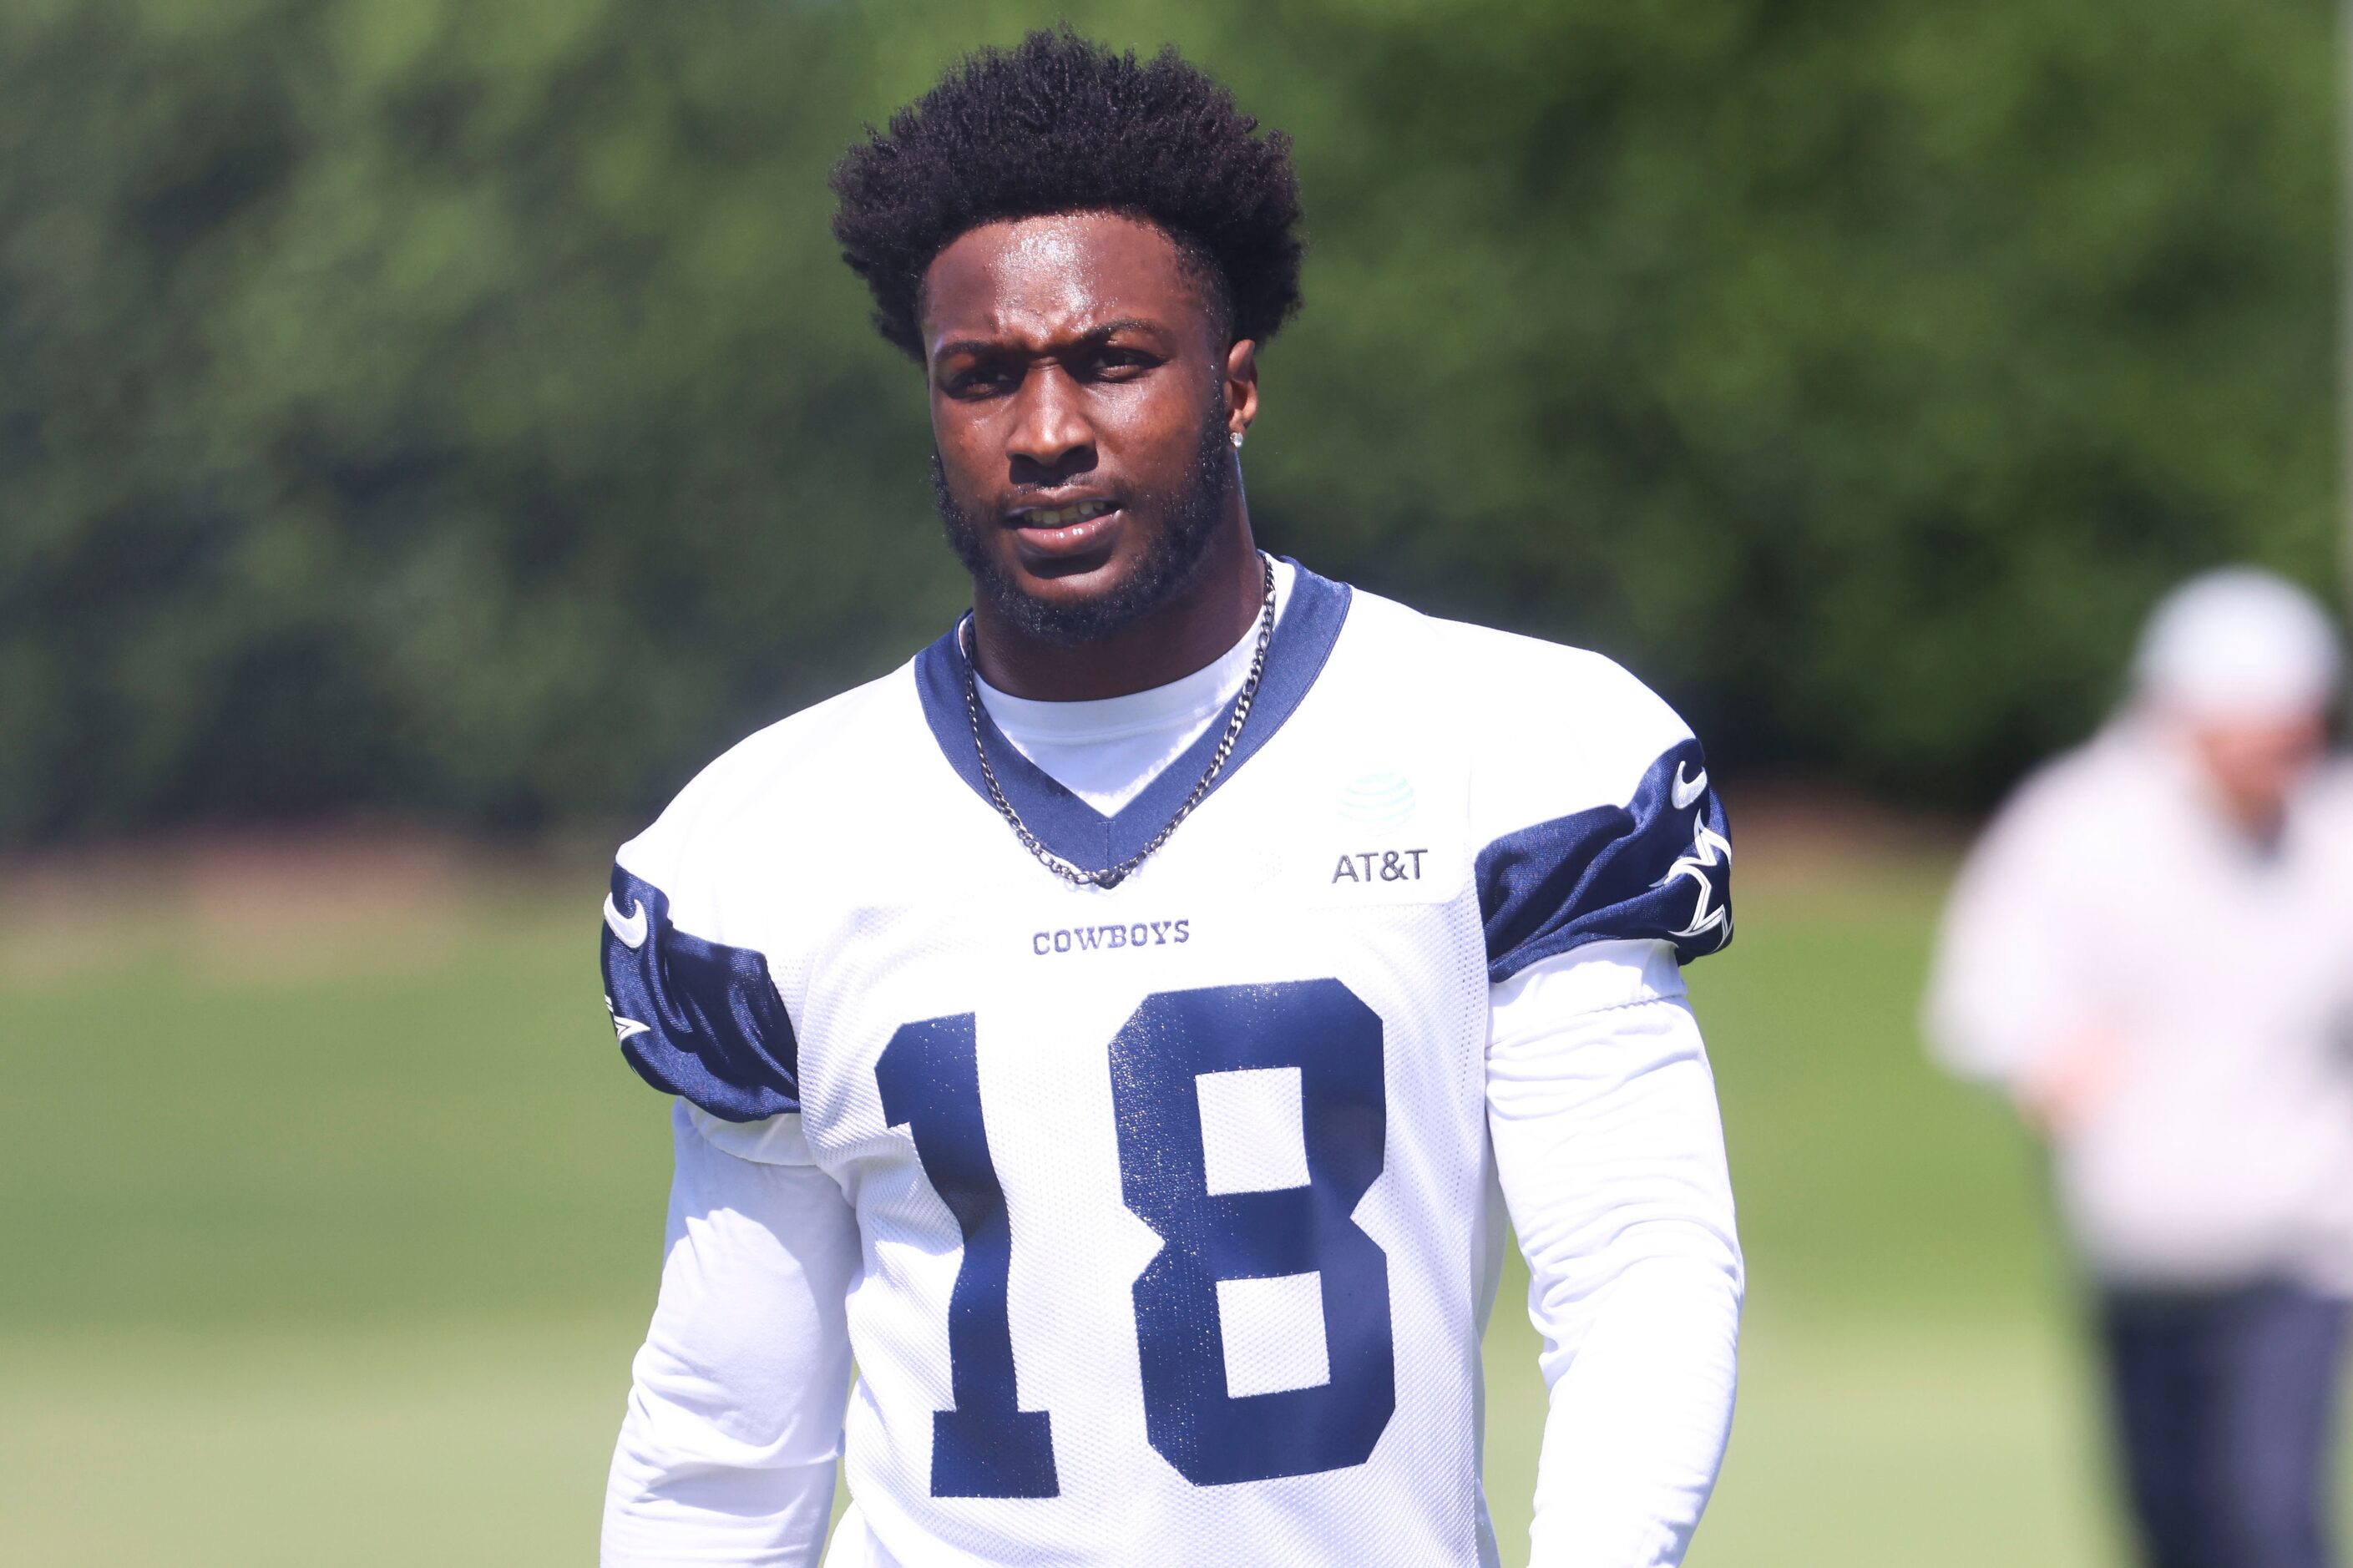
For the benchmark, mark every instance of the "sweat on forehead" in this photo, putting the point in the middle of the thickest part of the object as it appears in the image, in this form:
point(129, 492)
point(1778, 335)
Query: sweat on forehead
point(1071, 272)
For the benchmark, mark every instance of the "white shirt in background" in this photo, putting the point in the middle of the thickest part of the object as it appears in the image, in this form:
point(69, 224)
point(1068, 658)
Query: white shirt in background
point(2112, 897)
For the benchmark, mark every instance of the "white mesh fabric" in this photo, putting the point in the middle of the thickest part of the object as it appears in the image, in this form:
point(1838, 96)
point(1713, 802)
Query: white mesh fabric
point(1250, 1136)
point(1273, 1332)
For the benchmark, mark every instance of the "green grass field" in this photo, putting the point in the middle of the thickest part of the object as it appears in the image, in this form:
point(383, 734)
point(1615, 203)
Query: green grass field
point(328, 1242)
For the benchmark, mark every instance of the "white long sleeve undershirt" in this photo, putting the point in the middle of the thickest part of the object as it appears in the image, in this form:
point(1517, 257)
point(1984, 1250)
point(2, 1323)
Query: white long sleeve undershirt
point(1609, 1147)
point(1601, 1108)
point(733, 1429)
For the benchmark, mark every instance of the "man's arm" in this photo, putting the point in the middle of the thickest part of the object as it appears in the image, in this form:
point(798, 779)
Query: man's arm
point(1610, 1151)
point(2013, 999)
point(727, 1452)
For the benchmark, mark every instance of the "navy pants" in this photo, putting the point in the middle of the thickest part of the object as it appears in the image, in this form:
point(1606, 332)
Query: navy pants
point(2224, 1406)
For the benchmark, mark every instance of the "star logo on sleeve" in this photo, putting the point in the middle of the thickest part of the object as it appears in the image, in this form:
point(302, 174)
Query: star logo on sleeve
point(1709, 867)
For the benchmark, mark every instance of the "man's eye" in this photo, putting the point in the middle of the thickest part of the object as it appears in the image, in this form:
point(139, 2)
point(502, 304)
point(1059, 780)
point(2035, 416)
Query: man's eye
point(1121, 364)
point(979, 382)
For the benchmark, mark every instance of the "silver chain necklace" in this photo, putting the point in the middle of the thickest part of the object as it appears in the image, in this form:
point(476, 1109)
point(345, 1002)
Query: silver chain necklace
point(1113, 875)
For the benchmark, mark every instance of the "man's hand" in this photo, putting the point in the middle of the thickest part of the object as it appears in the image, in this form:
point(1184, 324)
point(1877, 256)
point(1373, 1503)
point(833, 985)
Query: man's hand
point(2067, 1087)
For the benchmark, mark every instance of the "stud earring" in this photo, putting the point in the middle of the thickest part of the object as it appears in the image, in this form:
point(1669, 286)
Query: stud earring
point(1237, 438)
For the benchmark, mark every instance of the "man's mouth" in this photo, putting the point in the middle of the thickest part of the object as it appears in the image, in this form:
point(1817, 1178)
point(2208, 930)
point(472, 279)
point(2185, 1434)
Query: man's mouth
point(1062, 536)
point(1062, 516)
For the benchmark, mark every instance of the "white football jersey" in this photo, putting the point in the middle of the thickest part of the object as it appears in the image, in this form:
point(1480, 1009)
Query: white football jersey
point(1177, 1210)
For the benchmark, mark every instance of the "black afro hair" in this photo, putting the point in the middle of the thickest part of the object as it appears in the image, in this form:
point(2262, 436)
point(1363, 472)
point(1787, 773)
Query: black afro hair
point(1062, 124)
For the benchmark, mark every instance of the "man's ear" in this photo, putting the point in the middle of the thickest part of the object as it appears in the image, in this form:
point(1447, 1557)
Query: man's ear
point(1241, 385)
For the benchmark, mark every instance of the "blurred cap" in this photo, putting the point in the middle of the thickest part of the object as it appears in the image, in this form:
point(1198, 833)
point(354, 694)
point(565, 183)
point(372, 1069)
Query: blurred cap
point(2239, 644)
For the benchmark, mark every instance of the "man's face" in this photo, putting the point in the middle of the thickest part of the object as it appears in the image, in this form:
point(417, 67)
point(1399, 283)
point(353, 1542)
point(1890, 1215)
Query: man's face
point(1081, 397)
point(2255, 764)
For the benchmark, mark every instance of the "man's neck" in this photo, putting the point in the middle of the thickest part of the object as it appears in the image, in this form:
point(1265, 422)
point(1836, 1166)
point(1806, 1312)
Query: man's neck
point(1189, 632)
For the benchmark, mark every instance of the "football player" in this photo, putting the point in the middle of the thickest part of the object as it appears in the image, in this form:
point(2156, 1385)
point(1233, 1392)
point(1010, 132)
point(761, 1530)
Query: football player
point(1122, 1030)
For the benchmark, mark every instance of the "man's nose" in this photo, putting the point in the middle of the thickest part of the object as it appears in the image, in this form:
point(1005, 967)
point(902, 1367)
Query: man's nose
point(1050, 440)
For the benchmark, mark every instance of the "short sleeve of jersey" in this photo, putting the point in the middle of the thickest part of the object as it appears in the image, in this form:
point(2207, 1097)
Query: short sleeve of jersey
point(695, 1017)
point(1595, 816)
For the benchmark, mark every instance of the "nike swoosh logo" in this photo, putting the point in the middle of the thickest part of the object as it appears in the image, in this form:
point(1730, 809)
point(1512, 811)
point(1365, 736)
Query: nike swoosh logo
point(632, 932)
point(1685, 792)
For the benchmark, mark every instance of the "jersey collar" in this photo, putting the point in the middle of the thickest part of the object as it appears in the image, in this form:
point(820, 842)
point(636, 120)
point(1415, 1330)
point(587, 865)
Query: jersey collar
point(1312, 616)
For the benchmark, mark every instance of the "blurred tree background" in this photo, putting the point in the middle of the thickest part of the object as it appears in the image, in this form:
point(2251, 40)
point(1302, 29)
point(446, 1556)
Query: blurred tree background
point(460, 410)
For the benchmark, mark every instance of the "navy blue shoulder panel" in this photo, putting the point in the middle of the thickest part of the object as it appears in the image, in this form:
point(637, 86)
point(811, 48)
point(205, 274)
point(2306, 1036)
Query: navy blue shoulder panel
point(1658, 868)
point(696, 1018)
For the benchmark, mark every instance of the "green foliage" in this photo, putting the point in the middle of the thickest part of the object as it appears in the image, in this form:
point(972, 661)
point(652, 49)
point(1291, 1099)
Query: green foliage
point(459, 409)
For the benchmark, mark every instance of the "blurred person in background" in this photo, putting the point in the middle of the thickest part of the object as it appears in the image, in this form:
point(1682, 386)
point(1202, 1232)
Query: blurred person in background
point(2148, 951)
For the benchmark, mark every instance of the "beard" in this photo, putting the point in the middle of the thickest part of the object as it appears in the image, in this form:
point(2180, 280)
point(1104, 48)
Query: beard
point(1190, 511)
